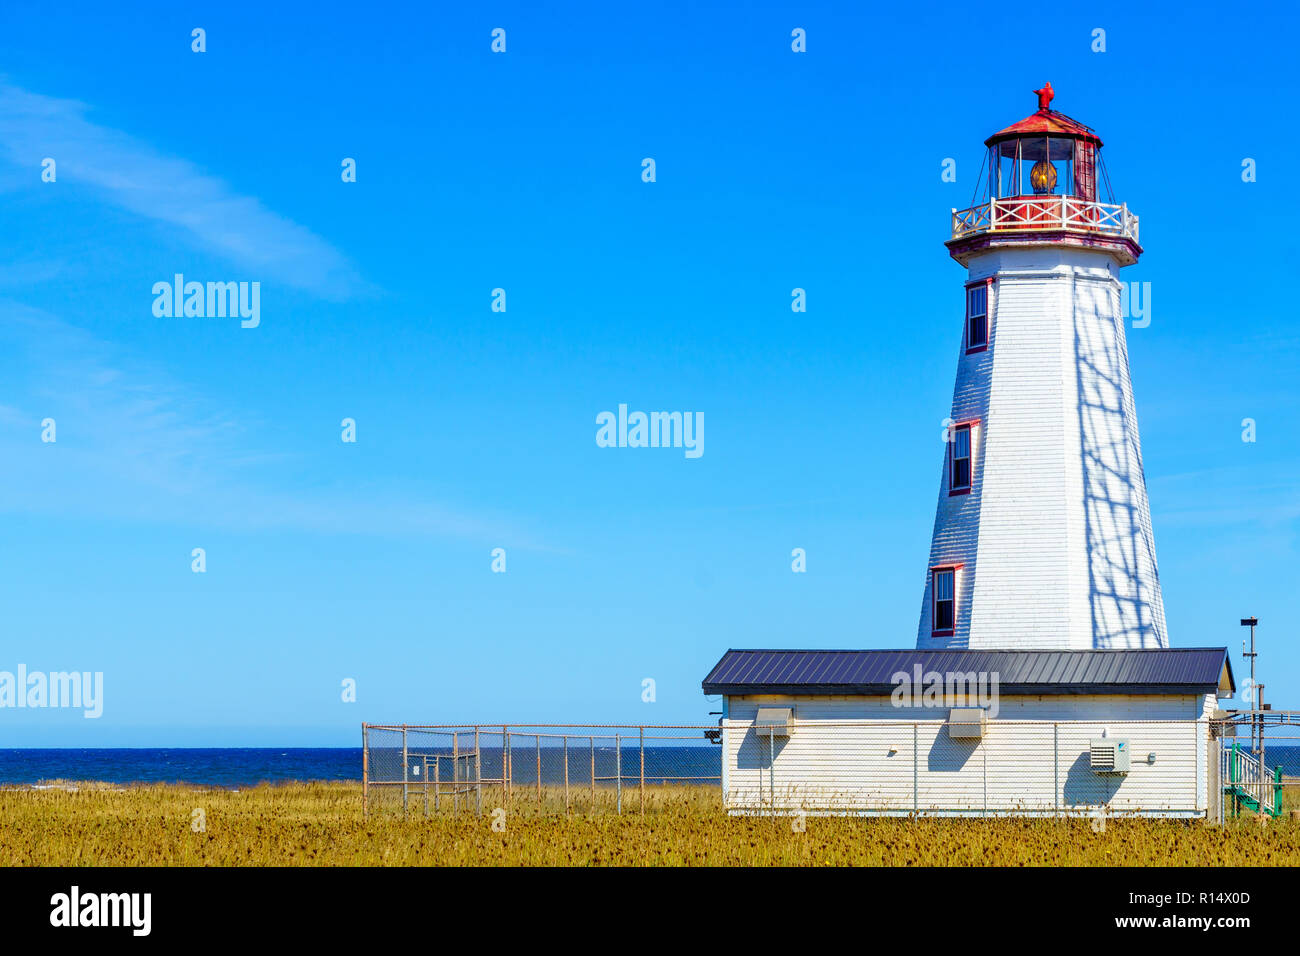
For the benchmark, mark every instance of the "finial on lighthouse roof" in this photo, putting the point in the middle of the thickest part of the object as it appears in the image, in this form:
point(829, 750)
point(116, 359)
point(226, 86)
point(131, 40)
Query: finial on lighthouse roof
point(1045, 96)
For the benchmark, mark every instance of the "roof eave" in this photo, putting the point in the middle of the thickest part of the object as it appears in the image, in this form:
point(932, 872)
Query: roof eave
point(1227, 684)
point(1123, 249)
point(1073, 129)
point(1008, 690)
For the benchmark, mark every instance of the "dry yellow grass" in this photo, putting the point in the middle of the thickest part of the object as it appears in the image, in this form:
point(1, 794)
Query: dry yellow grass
point(321, 824)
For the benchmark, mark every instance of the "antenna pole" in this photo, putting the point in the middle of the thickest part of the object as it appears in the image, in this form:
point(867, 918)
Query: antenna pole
point(1256, 703)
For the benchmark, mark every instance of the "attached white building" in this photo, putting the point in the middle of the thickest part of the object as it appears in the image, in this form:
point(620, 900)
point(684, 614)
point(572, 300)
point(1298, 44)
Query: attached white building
point(1021, 732)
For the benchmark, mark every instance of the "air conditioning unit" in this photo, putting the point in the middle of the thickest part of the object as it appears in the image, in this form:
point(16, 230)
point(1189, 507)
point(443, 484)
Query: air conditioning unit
point(966, 723)
point(1109, 755)
point(774, 721)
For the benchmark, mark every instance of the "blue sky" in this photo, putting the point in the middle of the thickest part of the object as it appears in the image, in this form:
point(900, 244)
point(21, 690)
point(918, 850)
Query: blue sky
point(475, 429)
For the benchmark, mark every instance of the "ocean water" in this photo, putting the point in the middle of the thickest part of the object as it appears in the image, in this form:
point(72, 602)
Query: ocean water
point(211, 766)
point(247, 766)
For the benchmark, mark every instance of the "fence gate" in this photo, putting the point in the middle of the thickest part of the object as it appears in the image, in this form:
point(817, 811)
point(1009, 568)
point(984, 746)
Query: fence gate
point(440, 769)
point(454, 776)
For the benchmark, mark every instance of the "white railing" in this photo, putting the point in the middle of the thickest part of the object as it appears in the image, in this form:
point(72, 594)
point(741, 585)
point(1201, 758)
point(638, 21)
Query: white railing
point(1026, 213)
point(1243, 775)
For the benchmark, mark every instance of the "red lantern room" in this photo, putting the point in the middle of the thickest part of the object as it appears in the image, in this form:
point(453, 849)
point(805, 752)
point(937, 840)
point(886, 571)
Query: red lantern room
point(1042, 180)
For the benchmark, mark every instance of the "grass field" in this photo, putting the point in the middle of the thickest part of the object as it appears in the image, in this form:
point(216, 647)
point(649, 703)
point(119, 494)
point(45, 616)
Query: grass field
point(321, 825)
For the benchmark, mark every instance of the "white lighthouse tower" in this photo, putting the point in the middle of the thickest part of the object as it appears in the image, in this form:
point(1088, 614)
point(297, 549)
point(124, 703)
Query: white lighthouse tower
point(1042, 535)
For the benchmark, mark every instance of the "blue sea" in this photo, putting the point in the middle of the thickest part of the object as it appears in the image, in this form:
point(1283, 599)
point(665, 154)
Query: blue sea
point(211, 766)
point(247, 766)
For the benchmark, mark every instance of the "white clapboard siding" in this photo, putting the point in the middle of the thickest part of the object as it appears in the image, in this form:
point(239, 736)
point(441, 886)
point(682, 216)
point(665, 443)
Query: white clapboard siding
point(859, 754)
point(1053, 543)
point(1097, 707)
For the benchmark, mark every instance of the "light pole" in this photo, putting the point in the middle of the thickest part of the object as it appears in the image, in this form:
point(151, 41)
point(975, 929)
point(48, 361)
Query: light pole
point(1255, 702)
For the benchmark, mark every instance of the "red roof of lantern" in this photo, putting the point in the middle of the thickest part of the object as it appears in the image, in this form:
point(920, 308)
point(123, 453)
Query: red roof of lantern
point(1046, 120)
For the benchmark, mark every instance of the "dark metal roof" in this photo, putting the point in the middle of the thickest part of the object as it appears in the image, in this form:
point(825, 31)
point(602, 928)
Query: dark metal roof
point(1182, 670)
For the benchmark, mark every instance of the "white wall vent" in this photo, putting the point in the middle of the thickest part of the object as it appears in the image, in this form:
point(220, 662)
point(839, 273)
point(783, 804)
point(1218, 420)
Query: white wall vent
point(966, 723)
point(774, 721)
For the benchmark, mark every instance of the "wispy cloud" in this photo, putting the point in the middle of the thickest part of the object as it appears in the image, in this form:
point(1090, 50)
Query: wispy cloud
point(134, 176)
point(134, 445)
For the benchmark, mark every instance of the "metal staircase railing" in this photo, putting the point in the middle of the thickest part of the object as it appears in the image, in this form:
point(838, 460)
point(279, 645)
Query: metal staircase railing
point(1250, 782)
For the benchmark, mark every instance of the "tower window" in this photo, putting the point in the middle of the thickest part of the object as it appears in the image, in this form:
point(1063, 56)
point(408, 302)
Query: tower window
point(959, 460)
point(945, 607)
point(977, 318)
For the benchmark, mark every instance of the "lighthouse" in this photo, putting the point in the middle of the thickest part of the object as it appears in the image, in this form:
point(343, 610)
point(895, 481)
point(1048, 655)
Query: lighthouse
point(1042, 534)
point(1049, 685)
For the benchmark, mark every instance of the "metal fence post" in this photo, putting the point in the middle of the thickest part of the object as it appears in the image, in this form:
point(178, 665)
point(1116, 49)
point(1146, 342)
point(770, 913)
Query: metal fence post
point(539, 769)
point(455, 772)
point(641, 731)
point(365, 771)
point(566, 775)
point(618, 769)
point(1196, 771)
point(1233, 770)
point(406, 770)
point(478, 777)
point(505, 763)
point(1215, 766)
point(1056, 768)
point(916, 768)
point(593, 772)
point(771, 770)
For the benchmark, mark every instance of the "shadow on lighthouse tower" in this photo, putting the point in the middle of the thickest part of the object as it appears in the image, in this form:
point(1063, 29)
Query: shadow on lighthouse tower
point(1042, 534)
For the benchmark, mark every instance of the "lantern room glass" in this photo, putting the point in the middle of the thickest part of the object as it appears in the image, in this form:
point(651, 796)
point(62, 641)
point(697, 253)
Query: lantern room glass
point(1041, 166)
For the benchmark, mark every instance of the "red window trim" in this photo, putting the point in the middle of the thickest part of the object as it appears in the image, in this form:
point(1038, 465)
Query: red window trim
point(970, 427)
point(988, 311)
point(943, 631)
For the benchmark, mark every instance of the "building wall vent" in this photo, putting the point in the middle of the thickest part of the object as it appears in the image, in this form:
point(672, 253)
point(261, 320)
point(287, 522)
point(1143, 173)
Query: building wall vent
point(774, 721)
point(966, 723)
point(1109, 755)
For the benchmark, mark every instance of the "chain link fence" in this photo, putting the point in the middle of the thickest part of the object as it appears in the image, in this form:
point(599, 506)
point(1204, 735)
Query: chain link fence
point(436, 769)
point(1259, 764)
point(1178, 768)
